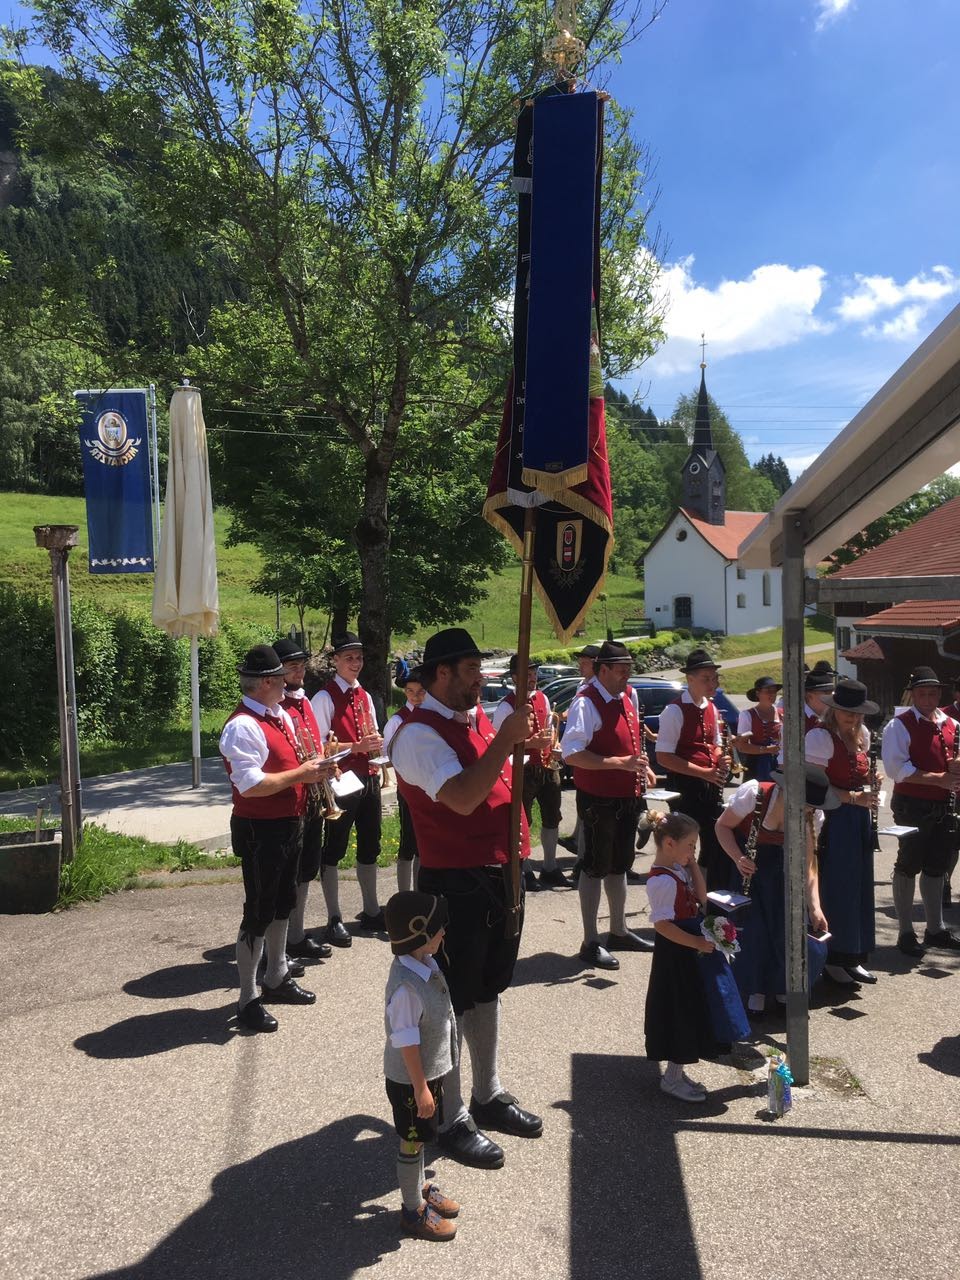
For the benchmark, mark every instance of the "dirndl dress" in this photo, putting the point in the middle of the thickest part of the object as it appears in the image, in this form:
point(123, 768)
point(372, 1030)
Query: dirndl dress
point(845, 856)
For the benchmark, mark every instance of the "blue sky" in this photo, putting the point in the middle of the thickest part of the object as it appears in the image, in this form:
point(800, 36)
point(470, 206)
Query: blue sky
point(806, 155)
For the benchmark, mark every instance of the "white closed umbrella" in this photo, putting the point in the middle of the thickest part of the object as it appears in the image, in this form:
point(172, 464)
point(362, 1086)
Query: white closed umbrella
point(185, 597)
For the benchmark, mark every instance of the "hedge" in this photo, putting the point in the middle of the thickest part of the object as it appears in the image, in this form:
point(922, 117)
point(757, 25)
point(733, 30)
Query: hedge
point(129, 674)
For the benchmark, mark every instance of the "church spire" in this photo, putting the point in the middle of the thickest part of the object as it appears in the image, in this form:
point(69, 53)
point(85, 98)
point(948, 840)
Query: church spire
point(704, 478)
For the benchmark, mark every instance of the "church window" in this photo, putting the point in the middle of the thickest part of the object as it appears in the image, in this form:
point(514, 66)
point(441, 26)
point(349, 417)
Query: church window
point(681, 535)
point(741, 601)
point(741, 573)
point(766, 589)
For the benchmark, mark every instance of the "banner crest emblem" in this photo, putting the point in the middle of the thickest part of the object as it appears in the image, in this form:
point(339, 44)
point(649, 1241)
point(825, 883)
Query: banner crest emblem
point(113, 446)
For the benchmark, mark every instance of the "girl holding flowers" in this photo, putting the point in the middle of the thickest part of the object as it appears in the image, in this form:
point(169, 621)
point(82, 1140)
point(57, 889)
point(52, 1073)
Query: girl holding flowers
point(693, 1008)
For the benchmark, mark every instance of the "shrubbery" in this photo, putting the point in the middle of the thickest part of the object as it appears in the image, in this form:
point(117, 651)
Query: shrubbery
point(653, 653)
point(129, 674)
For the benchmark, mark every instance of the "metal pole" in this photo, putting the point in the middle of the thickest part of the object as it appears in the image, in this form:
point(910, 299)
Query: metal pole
point(74, 736)
point(157, 528)
point(57, 540)
point(512, 869)
point(794, 826)
point(195, 708)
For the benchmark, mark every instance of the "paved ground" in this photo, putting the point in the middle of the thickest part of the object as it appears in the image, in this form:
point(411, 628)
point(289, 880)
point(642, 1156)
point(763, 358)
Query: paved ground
point(143, 1137)
point(749, 661)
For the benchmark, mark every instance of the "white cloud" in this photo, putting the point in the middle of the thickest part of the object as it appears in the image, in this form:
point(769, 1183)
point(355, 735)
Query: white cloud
point(772, 307)
point(798, 463)
point(911, 300)
point(829, 10)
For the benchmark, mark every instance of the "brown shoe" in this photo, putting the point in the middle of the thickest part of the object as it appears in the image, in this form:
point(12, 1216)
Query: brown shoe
point(435, 1198)
point(427, 1225)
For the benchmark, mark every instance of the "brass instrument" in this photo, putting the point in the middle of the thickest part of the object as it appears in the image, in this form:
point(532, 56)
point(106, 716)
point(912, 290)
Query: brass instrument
point(367, 729)
point(320, 798)
point(550, 755)
point(751, 846)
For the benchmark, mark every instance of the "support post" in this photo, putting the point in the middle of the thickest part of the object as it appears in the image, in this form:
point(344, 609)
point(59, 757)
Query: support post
point(512, 869)
point(795, 825)
point(195, 709)
point(58, 539)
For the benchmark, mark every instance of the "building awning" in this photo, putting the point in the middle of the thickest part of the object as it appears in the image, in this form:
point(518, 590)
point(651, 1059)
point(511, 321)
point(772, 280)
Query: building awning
point(866, 651)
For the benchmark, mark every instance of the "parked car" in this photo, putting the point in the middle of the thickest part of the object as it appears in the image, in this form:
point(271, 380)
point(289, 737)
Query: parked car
point(551, 671)
point(493, 692)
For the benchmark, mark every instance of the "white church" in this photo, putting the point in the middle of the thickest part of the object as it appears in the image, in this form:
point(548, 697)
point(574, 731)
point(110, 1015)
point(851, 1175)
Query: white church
point(691, 571)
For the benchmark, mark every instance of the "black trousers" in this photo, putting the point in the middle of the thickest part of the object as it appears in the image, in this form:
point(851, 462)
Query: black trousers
point(933, 849)
point(361, 809)
point(703, 801)
point(312, 848)
point(609, 833)
point(269, 852)
point(407, 850)
point(542, 786)
point(476, 957)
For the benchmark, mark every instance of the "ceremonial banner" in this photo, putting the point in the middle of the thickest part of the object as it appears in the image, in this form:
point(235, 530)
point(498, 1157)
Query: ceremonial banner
point(116, 480)
point(552, 450)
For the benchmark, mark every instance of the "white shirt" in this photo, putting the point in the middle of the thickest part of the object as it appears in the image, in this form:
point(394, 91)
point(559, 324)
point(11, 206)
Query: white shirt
point(322, 705)
point(244, 744)
point(421, 757)
point(662, 893)
point(583, 720)
point(405, 1008)
point(743, 802)
point(393, 724)
point(895, 747)
point(818, 746)
point(671, 723)
point(504, 709)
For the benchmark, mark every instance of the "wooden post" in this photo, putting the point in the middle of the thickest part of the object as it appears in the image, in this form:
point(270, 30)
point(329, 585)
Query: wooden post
point(512, 870)
point(794, 825)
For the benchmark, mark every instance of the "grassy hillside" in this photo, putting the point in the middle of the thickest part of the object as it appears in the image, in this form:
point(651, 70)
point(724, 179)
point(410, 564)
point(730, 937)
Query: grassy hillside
point(23, 564)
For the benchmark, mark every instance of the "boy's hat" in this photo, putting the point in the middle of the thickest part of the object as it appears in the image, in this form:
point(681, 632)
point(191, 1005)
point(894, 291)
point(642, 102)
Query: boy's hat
point(820, 794)
point(765, 682)
point(403, 673)
point(698, 660)
point(412, 920)
point(348, 640)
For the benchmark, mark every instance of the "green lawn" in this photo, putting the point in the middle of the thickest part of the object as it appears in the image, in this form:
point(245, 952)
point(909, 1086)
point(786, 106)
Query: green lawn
point(817, 630)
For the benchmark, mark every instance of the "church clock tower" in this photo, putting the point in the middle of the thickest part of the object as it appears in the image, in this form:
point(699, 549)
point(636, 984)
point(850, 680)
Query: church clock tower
point(704, 477)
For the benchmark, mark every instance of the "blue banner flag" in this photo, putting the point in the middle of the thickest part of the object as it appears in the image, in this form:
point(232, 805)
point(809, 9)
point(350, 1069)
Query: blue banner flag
point(114, 442)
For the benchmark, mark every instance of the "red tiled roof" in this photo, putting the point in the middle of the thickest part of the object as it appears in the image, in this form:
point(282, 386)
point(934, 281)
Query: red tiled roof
point(931, 546)
point(727, 537)
point(868, 650)
point(916, 615)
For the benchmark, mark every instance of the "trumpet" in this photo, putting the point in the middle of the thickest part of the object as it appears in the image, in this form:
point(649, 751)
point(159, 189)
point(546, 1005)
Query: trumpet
point(320, 798)
point(368, 728)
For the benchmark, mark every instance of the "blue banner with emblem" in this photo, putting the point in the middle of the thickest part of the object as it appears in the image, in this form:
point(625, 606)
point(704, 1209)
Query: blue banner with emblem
point(114, 442)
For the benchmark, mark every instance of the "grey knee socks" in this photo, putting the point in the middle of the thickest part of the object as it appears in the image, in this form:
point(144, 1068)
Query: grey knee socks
point(249, 951)
point(367, 880)
point(903, 889)
point(931, 892)
point(454, 1109)
point(410, 1177)
point(404, 875)
point(330, 884)
point(481, 1030)
point(275, 945)
point(589, 890)
point(615, 888)
point(548, 839)
point(296, 930)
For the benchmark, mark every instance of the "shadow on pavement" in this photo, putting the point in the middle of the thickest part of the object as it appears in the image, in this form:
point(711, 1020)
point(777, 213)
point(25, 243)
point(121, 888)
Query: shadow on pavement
point(634, 1227)
point(944, 1056)
point(180, 980)
point(300, 1209)
point(550, 969)
point(151, 1033)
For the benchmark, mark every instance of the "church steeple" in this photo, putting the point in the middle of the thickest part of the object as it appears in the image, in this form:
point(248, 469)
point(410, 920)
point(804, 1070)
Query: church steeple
point(704, 475)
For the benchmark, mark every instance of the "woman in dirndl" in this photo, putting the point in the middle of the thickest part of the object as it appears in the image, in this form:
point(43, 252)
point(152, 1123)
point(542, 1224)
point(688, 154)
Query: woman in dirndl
point(759, 729)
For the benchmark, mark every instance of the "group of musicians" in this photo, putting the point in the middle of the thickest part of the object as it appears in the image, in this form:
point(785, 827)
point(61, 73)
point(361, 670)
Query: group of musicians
point(454, 782)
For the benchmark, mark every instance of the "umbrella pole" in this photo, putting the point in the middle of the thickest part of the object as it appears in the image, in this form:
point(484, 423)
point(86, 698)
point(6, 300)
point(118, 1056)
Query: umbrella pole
point(195, 707)
point(512, 870)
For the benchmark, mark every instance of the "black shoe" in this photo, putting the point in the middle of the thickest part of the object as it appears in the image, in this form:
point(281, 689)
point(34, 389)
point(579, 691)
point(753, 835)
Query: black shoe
point(530, 882)
point(554, 879)
point(598, 957)
point(309, 949)
point(504, 1115)
point(634, 877)
point(468, 1145)
point(946, 940)
point(288, 992)
point(373, 924)
point(336, 933)
point(628, 941)
point(568, 843)
point(908, 945)
point(254, 1017)
point(294, 968)
point(859, 974)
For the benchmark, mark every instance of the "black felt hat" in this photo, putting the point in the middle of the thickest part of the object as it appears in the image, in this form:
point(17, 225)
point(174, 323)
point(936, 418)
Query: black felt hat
point(851, 695)
point(924, 677)
point(698, 660)
point(412, 919)
point(290, 651)
point(532, 665)
point(261, 660)
point(451, 645)
point(765, 682)
point(346, 641)
point(822, 676)
point(612, 651)
point(403, 673)
point(589, 651)
point(820, 794)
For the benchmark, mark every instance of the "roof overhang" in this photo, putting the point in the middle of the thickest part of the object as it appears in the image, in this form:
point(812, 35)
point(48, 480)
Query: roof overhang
point(906, 436)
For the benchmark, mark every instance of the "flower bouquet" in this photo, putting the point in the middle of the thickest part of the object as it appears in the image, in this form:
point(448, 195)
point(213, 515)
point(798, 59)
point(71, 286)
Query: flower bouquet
point(722, 932)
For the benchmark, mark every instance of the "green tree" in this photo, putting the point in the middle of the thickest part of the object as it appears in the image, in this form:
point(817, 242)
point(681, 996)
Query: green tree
point(351, 163)
point(899, 517)
point(775, 469)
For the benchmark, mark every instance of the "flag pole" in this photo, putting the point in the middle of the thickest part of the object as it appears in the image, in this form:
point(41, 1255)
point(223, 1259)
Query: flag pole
point(511, 871)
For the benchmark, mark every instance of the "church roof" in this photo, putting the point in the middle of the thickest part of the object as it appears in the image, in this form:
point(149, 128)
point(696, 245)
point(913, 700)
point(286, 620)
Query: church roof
point(702, 433)
point(726, 537)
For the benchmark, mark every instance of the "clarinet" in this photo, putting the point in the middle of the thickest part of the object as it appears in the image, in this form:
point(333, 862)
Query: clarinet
point(751, 846)
point(641, 777)
point(952, 823)
point(724, 754)
point(874, 813)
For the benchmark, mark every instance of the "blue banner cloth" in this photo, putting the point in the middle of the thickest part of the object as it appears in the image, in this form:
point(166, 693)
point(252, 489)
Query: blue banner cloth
point(114, 442)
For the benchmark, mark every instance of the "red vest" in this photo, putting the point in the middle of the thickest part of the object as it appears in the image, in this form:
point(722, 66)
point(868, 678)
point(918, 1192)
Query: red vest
point(952, 710)
point(685, 903)
point(764, 733)
point(846, 773)
point(289, 803)
point(745, 825)
point(927, 754)
point(695, 744)
point(308, 726)
point(810, 721)
point(347, 725)
point(448, 840)
point(541, 720)
point(619, 734)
